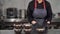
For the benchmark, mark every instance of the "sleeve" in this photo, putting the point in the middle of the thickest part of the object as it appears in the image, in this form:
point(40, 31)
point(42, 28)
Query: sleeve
point(29, 13)
point(49, 12)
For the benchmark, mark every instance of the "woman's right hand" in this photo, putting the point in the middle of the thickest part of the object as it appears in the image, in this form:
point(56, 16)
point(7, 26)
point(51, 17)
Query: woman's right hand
point(33, 22)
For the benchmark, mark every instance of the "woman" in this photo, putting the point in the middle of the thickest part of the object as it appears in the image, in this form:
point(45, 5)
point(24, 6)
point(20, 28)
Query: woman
point(39, 13)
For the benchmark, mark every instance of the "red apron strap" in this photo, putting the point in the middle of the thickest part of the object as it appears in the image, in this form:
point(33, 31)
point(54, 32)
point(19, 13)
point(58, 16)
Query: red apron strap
point(44, 4)
point(35, 4)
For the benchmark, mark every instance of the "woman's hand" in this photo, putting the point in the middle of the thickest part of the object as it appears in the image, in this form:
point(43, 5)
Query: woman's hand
point(33, 22)
point(48, 22)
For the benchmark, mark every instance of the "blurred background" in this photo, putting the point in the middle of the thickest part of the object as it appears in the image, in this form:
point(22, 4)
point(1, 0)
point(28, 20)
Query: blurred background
point(13, 15)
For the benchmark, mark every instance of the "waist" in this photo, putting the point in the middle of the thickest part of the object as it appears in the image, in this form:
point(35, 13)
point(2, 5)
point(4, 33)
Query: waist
point(39, 18)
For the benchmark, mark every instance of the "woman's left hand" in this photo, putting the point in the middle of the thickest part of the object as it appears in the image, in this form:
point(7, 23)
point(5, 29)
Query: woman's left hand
point(48, 22)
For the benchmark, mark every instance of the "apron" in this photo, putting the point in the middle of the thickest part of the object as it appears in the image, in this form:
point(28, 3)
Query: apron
point(39, 15)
